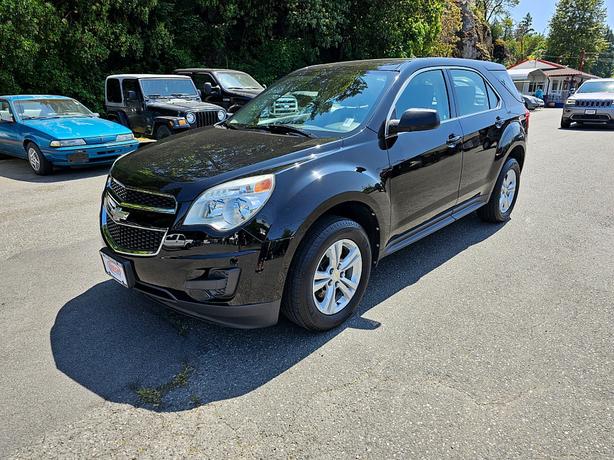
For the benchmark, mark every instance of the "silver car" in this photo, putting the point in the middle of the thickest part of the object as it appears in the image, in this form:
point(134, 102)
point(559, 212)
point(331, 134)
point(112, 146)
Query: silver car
point(592, 103)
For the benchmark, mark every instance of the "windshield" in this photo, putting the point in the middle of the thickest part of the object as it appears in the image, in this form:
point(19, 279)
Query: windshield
point(317, 101)
point(237, 80)
point(31, 109)
point(597, 87)
point(168, 87)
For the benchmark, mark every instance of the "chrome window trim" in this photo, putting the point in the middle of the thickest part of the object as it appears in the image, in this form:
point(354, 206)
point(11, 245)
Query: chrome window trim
point(450, 99)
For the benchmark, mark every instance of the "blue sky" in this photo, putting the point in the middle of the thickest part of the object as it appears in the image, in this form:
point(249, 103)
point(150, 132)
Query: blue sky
point(542, 11)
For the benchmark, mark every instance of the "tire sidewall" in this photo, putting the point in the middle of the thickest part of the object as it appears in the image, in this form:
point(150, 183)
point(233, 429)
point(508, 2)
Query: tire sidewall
point(511, 163)
point(324, 241)
point(31, 146)
point(162, 129)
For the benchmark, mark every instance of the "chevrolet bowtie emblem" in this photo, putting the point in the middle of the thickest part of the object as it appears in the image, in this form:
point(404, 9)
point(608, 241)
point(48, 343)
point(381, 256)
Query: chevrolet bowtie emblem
point(116, 212)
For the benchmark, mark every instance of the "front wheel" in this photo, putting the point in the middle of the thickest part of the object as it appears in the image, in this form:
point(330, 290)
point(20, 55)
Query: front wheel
point(503, 199)
point(329, 275)
point(162, 131)
point(38, 162)
point(565, 124)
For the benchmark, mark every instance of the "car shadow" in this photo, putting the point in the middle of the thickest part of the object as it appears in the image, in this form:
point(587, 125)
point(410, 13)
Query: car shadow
point(128, 349)
point(589, 127)
point(19, 170)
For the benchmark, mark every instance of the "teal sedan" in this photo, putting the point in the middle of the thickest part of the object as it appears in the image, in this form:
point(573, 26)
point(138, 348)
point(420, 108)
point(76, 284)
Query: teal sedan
point(60, 131)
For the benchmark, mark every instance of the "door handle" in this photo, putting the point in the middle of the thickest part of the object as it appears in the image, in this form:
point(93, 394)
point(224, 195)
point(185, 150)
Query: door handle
point(453, 140)
point(499, 123)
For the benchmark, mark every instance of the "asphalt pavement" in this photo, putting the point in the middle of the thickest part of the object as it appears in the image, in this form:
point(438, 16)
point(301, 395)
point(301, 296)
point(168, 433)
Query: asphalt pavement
point(479, 341)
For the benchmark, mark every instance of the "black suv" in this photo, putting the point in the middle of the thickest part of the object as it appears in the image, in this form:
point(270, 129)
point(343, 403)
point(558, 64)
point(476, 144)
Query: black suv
point(158, 105)
point(228, 88)
point(268, 212)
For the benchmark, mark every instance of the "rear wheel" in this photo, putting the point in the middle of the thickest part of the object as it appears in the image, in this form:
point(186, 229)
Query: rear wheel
point(38, 162)
point(329, 275)
point(503, 199)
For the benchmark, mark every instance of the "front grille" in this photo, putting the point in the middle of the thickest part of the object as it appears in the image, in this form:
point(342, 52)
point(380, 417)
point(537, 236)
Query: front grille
point(206, 118)
point(596, 103)
point(286, 105)
point(129, 196)
point(100, 140)
point(132, 239)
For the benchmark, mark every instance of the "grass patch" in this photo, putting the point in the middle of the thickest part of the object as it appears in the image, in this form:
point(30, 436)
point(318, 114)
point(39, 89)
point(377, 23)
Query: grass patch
point(178, 323)
point(154, 395)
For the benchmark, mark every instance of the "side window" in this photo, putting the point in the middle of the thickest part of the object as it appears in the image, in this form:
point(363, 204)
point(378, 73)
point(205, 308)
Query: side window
point(470, 91)
point(493, 99)
point(5, 111)
point(114, 92)
point(427, 90)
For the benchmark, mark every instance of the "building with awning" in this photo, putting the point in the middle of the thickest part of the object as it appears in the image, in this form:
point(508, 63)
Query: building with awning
point(555, 80)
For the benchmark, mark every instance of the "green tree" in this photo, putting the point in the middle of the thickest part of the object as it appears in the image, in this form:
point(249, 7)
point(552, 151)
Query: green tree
point(491, 10)
point(604, 65)
point(577, 27)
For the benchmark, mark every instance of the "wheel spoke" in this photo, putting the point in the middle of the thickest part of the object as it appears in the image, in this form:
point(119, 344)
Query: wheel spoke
point(320, 275)
point(317, 285)
point(347, 293)
point(349, 283)
point(350, 259)
point(329, 303)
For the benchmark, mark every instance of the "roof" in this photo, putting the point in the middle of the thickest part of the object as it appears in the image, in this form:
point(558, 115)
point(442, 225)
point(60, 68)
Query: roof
point(536, 64)
point(399, 64)
point(568, 72)
point(523, 74)
point(146, 75)
point(206, 69)
point(24, 97)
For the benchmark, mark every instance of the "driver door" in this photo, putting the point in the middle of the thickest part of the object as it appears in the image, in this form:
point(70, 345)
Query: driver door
point(10, 136)
point(133, 103)
point(426, 165)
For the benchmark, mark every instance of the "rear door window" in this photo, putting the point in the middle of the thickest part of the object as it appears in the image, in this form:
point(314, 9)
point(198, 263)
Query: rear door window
point(471, 92)
point(114, 92)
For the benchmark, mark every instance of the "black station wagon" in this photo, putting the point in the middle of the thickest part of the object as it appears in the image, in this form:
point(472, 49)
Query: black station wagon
point(288, 211)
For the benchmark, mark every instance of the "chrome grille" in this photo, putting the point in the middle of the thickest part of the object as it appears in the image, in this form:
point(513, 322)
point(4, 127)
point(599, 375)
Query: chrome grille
point(596, 103)
point(206, 118)
point(142, 199)
point(133, 239)
point(286, 105)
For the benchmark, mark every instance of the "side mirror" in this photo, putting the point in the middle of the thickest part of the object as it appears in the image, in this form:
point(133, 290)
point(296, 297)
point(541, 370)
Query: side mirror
point(233, 109)
point(207, 89)
point(415, 120)
point(131, 96)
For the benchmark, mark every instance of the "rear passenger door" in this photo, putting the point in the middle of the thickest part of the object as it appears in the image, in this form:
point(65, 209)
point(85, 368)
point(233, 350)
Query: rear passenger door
point(481, 114)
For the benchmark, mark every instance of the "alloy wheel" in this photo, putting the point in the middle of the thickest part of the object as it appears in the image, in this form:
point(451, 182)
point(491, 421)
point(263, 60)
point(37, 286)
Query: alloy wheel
point(337, 277)
point(34, 159)
point(508, 191)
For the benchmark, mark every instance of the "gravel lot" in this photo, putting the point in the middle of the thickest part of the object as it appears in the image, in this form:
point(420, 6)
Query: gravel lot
point(478, 341)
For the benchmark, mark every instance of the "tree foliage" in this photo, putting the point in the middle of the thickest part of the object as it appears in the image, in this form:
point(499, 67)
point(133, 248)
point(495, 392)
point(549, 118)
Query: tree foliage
point(69, 46)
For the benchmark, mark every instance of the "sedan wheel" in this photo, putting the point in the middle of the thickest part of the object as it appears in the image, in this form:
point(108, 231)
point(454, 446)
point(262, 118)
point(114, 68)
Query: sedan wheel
point(34, 159)
point(38, 162)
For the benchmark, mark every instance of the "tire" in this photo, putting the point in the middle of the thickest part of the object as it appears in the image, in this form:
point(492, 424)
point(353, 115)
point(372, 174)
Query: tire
point(37, 161)
point(499, 208)
point(565, 124)
point(299, 302)
point(161, 132)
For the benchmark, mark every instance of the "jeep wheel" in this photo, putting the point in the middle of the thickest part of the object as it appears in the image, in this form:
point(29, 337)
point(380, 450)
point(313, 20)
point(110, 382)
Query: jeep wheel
point(38, 162)
point(329, 275)
point(565, 123)
point(161, 132)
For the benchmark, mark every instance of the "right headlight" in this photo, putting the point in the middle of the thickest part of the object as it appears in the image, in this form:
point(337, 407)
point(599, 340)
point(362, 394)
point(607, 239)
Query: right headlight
point(229, 205)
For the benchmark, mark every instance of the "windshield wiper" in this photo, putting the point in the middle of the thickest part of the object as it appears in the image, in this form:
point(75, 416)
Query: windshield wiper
point(282, 129)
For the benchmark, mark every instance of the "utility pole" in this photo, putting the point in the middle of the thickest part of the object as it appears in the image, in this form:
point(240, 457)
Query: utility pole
point(582, 59)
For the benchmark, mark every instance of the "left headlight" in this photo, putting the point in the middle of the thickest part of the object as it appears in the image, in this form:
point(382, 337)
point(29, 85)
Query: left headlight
point(221, 115)
point(67, 143)
point(570, 102)
point(124, 137)
point(190, 117)
point(229, 205)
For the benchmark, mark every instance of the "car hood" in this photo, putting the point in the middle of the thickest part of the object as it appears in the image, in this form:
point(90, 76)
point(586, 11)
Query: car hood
point(186, 164)
point(249, 93)
point(182, 105)
point(76, 127)
point(593, 96)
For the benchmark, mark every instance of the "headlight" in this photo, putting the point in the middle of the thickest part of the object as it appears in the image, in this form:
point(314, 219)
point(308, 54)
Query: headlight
point(124, 137)
point(570, 102)
point(67, 143)
point(228, 205)
point(190, 117)
point(221, 115)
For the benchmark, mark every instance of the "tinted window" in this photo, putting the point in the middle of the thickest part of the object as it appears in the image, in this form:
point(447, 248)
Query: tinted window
point(130, 85)
point(493, 99)
point(470, 91)
point(427, 90)
point(114, 92)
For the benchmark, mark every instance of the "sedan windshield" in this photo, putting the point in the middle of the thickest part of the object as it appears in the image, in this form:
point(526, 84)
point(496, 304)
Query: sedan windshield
point(597, 87)
point(237, 80)
point(320, 101)
point(168, 87)
point(30, 109)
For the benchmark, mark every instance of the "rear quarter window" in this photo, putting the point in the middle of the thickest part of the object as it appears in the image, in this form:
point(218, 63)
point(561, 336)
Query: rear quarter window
point(114, 92)
point(504, 79)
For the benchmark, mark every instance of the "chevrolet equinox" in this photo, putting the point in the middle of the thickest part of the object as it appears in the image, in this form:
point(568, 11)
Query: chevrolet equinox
point(288, 205)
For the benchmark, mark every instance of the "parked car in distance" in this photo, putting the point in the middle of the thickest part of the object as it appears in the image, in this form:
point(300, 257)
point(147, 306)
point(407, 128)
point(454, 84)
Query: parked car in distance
point(291, 211)
point(225, 87)
point(158, 105)
point(592, 102)
point(57, 130)
point(532, 102)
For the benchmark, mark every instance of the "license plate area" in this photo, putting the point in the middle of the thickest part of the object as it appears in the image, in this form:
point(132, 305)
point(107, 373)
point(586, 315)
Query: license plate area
point(120, 270)
point(590, 112)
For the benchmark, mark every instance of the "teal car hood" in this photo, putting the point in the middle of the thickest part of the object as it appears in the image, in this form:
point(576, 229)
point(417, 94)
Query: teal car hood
point(76, 127)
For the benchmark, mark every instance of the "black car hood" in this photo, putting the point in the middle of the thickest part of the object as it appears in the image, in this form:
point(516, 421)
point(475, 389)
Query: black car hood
point(249, 93)
point(182, 105)
point(186, 164)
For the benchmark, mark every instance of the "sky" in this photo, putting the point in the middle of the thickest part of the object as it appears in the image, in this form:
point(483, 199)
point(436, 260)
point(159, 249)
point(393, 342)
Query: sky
point(542, 11)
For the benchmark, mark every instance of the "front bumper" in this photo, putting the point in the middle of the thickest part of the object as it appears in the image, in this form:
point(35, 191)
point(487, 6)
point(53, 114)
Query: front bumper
point(89, 154)
point(588, 115)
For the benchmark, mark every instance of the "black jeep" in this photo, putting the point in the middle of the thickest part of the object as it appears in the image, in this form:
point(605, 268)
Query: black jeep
point(225, 87)
point(158, 105)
